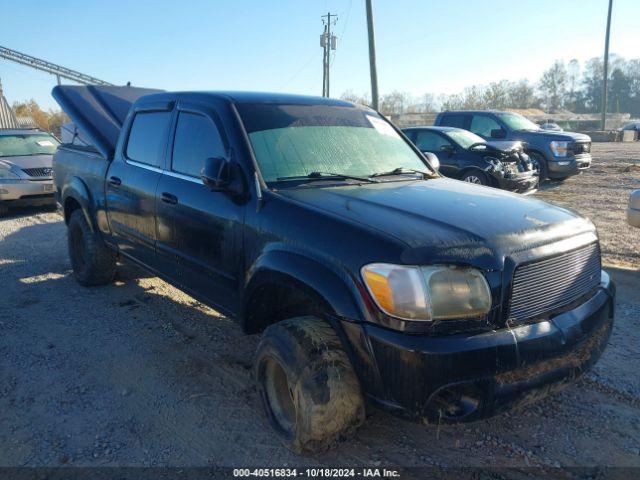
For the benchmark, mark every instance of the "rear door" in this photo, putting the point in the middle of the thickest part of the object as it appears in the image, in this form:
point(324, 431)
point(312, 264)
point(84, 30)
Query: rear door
point(132, 180)
point(199, 231)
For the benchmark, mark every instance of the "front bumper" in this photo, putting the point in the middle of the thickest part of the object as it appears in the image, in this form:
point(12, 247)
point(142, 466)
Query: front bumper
point(468, 377)
point(27, 192)
point(564, 167)
point(526, 183)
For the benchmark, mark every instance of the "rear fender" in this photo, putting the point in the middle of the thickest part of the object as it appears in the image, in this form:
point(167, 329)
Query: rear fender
point(76, 190)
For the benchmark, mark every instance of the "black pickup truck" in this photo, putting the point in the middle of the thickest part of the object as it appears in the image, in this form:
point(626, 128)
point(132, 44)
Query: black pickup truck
point(318, 224)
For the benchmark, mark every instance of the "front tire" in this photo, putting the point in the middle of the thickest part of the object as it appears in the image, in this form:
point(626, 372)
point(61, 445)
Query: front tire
point(92, 261)
point(479, 178)
point(540, 163)
point(307, 385)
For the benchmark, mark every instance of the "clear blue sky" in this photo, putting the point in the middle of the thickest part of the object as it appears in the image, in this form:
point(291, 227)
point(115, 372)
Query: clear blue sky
point(437, 46)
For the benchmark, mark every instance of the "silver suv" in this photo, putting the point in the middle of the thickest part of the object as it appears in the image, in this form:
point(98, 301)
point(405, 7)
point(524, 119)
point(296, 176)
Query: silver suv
point(25, 168)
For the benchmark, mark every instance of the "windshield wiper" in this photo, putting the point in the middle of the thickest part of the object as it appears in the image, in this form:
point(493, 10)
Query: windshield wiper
point(401, 171)
point(315, 176)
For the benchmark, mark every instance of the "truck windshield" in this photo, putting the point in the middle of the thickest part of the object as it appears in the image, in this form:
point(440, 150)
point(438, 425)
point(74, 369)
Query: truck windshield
point(517, 122)
point(298, 140)
point(27, 144)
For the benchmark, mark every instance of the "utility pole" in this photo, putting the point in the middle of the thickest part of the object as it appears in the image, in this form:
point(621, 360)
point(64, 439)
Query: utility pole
point(606, 68)
point(372, 57)
point(328, 42)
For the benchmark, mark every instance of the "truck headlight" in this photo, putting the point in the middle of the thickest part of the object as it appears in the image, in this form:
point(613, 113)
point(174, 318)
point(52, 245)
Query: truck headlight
point(428, 293)
point(7, 174)
point(559, 149)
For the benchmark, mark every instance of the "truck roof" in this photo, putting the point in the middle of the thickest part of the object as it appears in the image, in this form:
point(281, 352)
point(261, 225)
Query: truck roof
point(99, 111)
point(251, 98)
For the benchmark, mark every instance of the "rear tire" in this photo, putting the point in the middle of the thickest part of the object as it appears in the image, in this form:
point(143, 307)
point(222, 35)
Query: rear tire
point(307, 385)
point(92, 261)
point(479, 178)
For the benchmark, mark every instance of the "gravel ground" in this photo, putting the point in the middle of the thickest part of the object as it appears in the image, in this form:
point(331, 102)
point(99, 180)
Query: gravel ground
point(139, 374)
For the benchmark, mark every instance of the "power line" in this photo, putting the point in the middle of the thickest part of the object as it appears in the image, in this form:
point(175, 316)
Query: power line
point(52, 68)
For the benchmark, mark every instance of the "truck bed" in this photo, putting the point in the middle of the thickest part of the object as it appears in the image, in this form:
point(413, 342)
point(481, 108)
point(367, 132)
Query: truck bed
point(74, 165)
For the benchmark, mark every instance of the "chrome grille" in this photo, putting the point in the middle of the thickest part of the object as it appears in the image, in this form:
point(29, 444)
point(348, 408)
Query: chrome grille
point(545, 285)
point(38, 172)
point(583, 147)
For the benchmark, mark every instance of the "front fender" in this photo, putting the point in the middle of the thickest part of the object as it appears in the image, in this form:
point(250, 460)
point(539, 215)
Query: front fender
point(336, 290)
point(75, 189)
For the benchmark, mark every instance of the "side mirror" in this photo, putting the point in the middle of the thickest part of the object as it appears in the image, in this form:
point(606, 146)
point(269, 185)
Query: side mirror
point(215, 173)
point(222, 175)
point(433, 160)
point(498, 133)
point(633, 211)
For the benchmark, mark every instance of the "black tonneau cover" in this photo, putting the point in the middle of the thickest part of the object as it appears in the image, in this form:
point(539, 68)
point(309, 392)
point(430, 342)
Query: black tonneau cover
point(98, 111)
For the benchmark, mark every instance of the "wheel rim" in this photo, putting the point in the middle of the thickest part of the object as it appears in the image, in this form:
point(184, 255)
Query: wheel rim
point(279, 395)
point(78, 249)
point(473, 179)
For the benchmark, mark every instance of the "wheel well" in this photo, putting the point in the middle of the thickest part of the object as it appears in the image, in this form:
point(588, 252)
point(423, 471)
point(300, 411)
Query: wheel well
point(278, 300)
point(70, 205)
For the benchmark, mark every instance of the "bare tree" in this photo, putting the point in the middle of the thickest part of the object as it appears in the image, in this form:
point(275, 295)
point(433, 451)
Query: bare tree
point(395, 103)
point(553, 86)
point(351, 96)
point(522, 95)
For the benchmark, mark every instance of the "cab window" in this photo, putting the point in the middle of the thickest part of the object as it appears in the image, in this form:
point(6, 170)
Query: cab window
point(458, 120)
point(147, 138)
point(482, 125)
point(428, 141)
point(197, 138)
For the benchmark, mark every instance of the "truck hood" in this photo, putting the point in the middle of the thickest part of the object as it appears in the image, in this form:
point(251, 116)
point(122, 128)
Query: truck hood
point(532, 135)
point(444, 220)
point(99, 111)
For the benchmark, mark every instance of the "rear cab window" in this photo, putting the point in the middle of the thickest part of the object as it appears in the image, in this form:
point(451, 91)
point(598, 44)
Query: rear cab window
point(458, 120)
point(147, 138)
point(197, 138)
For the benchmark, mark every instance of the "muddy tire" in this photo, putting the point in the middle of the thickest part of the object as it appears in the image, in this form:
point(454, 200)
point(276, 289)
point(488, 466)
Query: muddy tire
point(307, 385)
point(92, 261)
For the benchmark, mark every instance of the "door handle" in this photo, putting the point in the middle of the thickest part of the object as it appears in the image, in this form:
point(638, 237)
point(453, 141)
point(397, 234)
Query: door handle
point(168, 198)
point(115, 181)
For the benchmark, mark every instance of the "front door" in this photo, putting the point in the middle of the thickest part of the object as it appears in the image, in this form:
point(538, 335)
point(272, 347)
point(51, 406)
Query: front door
point(199, 231)
point(434, 142)
point(131, 185)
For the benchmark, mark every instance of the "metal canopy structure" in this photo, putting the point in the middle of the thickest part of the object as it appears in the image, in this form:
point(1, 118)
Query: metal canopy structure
point(52, 68)
point(7, 117)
